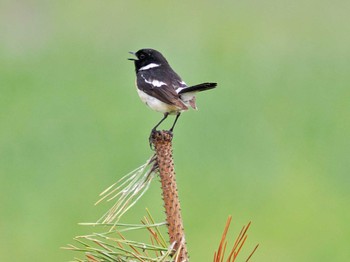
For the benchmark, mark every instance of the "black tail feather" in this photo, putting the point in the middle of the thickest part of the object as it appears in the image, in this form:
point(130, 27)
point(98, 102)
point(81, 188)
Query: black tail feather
point(198, 88)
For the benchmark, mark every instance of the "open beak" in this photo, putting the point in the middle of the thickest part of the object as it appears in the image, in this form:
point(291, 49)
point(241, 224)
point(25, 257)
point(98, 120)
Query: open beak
point(132, 59)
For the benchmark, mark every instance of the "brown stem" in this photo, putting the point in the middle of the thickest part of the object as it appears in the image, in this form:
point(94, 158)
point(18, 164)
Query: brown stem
point(163, 146)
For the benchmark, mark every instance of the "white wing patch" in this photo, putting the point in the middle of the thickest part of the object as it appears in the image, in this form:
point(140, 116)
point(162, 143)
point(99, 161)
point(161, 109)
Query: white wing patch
point(154, 82)
point(158, 83)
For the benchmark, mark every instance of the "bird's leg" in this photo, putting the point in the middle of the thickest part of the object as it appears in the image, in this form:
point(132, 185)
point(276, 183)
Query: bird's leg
point(177, 116)
point(155, 128)
point(165, 116)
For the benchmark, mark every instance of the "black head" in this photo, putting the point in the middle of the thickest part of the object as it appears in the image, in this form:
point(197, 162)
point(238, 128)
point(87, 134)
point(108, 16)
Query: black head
point(145, 57)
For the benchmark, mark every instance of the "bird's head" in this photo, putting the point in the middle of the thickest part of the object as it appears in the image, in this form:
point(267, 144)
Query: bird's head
point(147, 58)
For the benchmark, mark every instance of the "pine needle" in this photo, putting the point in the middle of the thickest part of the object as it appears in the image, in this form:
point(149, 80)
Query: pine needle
point(129, 189)
point(219, 255)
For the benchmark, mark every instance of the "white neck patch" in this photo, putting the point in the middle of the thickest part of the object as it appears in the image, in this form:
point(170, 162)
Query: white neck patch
point(149, 66)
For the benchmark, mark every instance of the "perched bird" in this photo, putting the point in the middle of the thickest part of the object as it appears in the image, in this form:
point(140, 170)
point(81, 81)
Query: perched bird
point(161, 88)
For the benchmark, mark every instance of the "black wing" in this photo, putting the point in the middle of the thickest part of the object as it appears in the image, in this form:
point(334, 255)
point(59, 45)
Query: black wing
point(163, 90)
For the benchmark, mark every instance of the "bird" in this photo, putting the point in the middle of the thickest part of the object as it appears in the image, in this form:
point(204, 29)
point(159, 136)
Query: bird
point(161, 88)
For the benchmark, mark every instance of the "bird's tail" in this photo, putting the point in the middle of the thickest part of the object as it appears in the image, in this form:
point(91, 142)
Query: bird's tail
point(198, 88)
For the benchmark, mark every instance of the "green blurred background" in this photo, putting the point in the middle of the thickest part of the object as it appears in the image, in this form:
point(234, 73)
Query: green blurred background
point(270, 145)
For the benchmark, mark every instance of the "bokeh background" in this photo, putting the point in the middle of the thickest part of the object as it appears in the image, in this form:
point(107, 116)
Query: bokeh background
point(270, 145)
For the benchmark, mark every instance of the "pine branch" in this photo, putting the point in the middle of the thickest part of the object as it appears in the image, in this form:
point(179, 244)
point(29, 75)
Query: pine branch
point(162, 141)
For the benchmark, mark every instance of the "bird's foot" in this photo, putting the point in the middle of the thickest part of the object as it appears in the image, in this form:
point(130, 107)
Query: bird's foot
point(170, 132)
point(151, 138)
point(155, 133)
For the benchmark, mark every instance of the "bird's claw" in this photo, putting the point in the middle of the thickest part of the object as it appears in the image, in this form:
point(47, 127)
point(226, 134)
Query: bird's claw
point(153, 134)
point(150, 139)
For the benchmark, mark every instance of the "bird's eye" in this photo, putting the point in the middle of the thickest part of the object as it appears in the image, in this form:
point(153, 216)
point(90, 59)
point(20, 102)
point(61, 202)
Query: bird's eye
point(142, 56)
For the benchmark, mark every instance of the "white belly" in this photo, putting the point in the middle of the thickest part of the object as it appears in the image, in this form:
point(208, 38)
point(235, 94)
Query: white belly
point(156, 104)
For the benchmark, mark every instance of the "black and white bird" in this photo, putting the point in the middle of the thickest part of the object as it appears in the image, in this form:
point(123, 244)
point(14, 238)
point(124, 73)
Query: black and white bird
point(161, 88)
